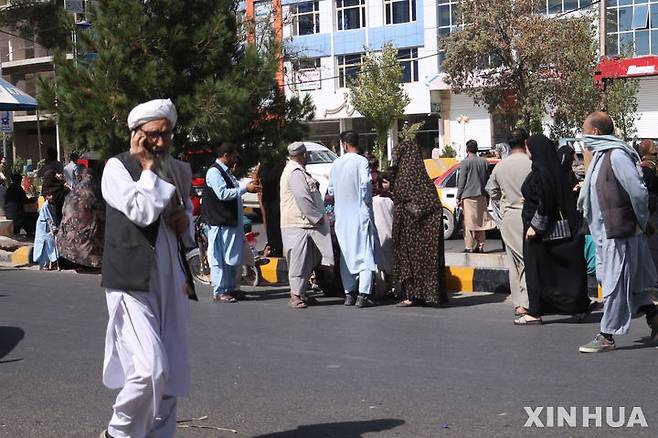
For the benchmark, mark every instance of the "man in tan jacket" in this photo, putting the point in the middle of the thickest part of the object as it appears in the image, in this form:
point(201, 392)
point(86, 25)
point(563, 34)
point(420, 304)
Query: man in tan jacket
point(304, 226)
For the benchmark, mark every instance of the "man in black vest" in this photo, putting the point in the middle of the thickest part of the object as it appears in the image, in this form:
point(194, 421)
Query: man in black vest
point(615, 203)
point(148, 226)
point(222, 210)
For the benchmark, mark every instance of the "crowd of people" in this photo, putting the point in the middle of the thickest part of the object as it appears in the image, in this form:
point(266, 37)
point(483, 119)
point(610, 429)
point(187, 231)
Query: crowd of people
point(68, 224)
point(553, 227)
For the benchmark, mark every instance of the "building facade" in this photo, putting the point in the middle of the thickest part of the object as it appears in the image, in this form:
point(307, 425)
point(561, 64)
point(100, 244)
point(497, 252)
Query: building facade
point(325, 40)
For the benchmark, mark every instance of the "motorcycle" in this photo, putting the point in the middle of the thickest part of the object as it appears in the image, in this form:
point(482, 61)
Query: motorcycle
point(197, 258)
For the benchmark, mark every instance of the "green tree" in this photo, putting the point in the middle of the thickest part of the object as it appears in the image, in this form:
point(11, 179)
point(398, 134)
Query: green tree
point(192, 51)
point(44, 22)
point(513, 60)
point(378, 94)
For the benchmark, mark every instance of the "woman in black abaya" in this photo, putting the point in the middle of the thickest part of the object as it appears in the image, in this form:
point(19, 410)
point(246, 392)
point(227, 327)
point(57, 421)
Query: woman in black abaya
point(556, 271)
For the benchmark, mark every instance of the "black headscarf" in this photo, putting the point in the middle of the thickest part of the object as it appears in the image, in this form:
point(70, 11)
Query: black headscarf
point(54, 185)
point(557, 196)
point(411, 184)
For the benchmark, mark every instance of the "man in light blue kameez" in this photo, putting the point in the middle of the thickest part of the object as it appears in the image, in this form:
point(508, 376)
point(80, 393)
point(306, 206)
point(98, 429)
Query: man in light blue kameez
point(351, 186)
point(615, 203)
point(222, 210)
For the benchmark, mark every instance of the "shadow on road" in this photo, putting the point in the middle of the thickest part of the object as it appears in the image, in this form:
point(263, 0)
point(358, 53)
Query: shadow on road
point(9, 339)
point(348, 429)
point(467, 300)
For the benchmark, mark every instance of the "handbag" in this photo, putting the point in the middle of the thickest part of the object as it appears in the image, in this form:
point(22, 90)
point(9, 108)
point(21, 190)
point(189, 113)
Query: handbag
point(561, 230)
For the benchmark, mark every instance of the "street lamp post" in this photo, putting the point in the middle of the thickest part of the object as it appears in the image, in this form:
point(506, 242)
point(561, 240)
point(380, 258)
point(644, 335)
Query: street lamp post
point(463, 120)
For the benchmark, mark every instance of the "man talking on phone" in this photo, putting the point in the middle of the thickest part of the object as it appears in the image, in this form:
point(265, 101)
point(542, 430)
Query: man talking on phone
point(148, 223)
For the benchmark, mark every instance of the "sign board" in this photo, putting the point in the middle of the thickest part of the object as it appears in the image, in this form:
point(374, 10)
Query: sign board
point(308, 80)
point(6, 121)
point(74, 6)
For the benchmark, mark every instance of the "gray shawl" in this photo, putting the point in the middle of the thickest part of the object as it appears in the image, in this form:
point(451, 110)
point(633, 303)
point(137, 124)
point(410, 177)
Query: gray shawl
point(598, 145)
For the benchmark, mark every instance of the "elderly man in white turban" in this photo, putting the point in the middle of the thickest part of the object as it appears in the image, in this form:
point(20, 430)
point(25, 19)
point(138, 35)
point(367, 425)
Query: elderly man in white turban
point(304, 226)
point(148, 226)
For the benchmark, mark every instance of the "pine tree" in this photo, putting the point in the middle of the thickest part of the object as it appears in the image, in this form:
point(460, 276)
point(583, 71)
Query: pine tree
point(192, 51)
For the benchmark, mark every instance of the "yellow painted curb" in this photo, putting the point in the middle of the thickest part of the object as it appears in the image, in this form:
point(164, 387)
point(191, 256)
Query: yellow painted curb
point(21, 256)
point(268, 270)
point(459, 278)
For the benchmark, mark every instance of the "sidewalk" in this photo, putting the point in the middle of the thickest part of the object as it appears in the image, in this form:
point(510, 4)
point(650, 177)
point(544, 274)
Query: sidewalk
point(15, 251)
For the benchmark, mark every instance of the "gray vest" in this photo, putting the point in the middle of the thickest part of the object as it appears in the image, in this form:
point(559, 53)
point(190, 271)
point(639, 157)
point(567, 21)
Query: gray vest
point(616, 208)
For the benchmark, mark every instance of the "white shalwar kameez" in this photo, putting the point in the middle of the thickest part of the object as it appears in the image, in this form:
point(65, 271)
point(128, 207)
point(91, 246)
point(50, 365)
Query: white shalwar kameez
point(146, 351)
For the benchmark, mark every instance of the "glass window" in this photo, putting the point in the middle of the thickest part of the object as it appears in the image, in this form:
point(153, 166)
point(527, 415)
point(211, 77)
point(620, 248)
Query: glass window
point(625, 19)
point(641, 17)
point(400, 11)
point(409, 63)
point(348, 68)
point(321, 156)
point(350, 14)
point(446, 15)
point(306, 63)
point(642, 43)
point(305, 18)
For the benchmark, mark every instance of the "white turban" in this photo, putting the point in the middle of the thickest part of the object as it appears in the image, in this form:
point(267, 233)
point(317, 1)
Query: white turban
point(152, 110)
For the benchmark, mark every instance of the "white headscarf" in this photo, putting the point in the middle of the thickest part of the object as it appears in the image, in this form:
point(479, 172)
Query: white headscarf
point(152, 110)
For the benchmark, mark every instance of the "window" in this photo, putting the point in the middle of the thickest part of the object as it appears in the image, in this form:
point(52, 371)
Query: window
point(632, 28)
point(447, 23)
point(305, 18)
point(641, 17)
point(348, 68)
point(552, 7)
point(350, 14)
point(409, 62)
point(321, 156)
point(306, 64)
point(400, 11)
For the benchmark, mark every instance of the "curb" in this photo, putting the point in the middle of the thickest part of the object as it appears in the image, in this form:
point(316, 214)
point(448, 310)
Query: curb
point(19, 257)
point(465, 279)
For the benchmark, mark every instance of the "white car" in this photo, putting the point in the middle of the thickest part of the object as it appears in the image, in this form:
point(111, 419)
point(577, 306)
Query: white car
point(320, 160)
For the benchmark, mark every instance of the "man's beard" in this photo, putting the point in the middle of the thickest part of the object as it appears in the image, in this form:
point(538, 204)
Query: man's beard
point(162, 166)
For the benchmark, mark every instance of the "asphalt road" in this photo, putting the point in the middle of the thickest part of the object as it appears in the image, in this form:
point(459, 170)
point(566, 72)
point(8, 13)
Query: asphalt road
point(328, 371)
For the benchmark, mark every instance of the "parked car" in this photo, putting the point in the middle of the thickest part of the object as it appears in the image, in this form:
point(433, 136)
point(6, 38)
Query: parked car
point(446, 186)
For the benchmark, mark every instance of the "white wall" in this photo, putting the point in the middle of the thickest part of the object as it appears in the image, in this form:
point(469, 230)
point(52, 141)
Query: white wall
point(478, 128)
point(647, 125)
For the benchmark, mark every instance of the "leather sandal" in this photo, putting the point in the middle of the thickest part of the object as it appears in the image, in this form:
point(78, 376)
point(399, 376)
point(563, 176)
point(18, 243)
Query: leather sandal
point(296, 302)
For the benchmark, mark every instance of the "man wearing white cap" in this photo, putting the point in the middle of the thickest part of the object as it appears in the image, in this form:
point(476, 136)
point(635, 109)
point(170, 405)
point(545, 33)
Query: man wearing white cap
point(304, 226)
point(148, 226)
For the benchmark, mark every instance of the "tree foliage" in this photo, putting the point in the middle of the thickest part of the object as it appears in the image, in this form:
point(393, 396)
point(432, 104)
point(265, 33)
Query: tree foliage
point(44, 22)
point(378, 94)
point(192, 51)
point(524, 65)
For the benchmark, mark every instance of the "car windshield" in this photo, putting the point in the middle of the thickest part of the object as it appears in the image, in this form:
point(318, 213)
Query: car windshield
point(321, 156)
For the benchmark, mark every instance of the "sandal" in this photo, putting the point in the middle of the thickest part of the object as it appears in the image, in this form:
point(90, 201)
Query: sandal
point(525, 321)
point(224, 298)
point(518, 312)
point(296, 303)
point(408, 303)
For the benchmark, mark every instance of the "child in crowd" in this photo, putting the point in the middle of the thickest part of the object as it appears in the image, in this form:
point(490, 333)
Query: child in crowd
point(45, 250)
point(382, 206)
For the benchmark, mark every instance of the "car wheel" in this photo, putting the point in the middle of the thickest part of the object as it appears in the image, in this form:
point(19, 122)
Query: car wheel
point(448, 224)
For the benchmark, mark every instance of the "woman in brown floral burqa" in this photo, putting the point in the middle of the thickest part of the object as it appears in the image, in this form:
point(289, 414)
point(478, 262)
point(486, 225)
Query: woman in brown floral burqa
point(419, 260)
